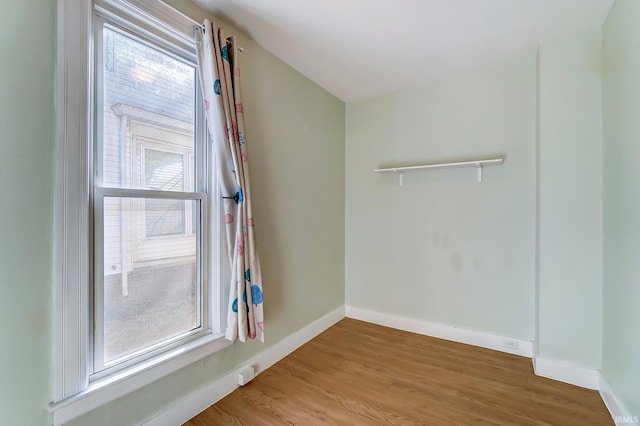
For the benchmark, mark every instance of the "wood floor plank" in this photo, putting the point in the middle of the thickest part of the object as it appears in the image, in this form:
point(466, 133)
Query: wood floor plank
point(357, 373)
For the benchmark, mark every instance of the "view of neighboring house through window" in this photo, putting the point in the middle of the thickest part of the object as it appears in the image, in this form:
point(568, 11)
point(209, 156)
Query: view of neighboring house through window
point(149, 196)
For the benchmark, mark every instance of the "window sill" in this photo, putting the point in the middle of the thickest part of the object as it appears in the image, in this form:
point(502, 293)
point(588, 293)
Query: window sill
point(110, 388)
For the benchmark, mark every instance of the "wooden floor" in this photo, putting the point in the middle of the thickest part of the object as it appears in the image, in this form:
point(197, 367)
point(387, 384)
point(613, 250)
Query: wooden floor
point(362, 374)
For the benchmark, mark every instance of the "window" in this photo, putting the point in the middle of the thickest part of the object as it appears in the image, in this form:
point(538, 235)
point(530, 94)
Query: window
point(137, 217)
point(149, 287)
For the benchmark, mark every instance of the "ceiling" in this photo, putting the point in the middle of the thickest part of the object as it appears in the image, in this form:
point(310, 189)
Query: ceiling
point(361, 48)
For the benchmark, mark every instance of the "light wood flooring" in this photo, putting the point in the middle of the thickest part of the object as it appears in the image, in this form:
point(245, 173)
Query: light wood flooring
point(357, 373)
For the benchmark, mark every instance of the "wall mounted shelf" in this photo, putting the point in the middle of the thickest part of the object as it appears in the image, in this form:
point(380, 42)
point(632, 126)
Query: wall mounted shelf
point(475, 163)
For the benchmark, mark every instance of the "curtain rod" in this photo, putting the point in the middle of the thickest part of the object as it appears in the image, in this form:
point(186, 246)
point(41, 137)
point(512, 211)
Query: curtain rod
point(201, 27)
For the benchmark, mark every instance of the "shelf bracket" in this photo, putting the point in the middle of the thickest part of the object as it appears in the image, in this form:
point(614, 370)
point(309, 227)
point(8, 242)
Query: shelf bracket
point(479, 166)
point(400, 178)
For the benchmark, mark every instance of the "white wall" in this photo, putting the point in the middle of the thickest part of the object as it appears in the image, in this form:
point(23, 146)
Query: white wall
point(621, 95)
point(444, 248)
point(570, 204)
point(27, 49)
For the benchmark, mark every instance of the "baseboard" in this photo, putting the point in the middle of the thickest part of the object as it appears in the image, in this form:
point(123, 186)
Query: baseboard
point(619, 411)
point(585, 377)
point(455, 334)
point(566, 372)
point(200, 400)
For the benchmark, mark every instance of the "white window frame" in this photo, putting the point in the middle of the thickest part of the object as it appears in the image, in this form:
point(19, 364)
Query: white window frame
point(74, 394)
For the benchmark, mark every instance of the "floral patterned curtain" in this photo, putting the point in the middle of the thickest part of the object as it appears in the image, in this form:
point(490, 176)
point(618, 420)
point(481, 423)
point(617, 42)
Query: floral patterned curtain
point(220, 81)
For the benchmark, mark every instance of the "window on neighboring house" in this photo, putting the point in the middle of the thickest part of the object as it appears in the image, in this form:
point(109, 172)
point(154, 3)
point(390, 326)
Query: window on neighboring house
point(139, 248)
point(164, 171)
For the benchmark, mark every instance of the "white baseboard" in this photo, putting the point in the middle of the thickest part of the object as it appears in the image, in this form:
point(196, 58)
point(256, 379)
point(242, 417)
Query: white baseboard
point(460, 335)
point(203, 398)
point(567, 372)
point(619, 411)
point(589, 378)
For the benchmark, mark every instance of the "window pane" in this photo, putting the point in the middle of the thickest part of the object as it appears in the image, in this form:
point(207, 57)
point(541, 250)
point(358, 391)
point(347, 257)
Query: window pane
point(148, 101)
point(164, 217)
point(164, 171)
point(151, 286)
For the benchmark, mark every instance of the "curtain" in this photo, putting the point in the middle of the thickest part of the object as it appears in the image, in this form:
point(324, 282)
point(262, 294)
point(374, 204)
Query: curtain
point(220, 81)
